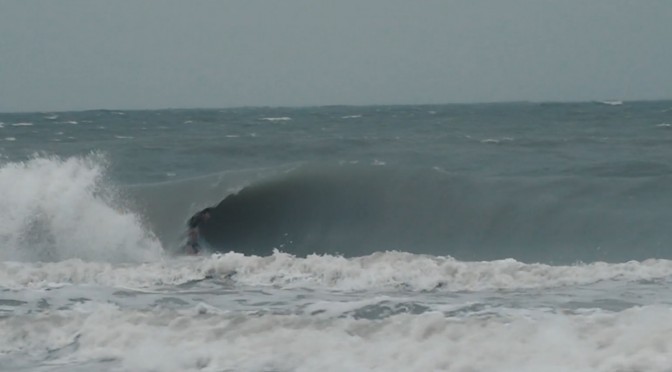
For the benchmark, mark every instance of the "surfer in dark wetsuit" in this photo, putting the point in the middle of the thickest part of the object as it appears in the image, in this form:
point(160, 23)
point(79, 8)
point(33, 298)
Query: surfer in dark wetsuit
point(194, 224)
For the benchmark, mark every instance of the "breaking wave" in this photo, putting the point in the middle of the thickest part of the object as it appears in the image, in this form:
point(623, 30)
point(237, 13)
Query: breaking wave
point(56, 209)
point(66, 208)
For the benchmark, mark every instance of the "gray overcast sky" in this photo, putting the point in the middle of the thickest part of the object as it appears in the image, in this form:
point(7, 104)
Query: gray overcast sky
point(85, 54)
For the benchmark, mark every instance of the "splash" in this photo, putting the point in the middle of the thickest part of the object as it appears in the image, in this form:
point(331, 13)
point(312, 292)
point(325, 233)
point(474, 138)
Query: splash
point(62, 208)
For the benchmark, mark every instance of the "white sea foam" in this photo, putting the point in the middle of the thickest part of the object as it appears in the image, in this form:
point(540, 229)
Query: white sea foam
point(420, 272)
point(55, 209)
point(351, 117)
point(41, 275)
point(385, 270)
point(10, 139)
point(22, 124)
point(198, 339)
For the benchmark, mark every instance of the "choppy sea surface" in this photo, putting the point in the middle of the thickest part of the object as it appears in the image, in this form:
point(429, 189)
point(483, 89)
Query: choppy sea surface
point(483, 237)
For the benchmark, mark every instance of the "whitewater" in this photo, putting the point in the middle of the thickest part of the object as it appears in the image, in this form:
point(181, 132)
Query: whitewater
point(484, 237)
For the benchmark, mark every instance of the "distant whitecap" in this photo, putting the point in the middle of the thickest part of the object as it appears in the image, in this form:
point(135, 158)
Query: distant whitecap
point(22, 124)
point(10, 138)
point(664, 125)
point(497, 140)
point(283, 118)
point(124, 137)
point(612, 102)
point(51, 117)
point(351, 116)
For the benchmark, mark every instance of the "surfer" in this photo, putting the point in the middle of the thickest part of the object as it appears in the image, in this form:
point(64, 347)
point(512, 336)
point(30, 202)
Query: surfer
point(194, 224)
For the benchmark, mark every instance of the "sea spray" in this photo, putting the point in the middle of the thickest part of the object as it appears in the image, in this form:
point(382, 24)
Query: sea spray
point(59, 208)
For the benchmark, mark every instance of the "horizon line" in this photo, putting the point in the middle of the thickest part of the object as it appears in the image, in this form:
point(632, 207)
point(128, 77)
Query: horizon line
point(602, 101)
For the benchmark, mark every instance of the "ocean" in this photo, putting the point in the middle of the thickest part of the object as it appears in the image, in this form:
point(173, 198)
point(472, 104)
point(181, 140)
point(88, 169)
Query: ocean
point(464, 237)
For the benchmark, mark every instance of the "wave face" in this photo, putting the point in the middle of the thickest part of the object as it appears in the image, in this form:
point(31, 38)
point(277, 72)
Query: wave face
point(356, 211)
point(56, 209)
